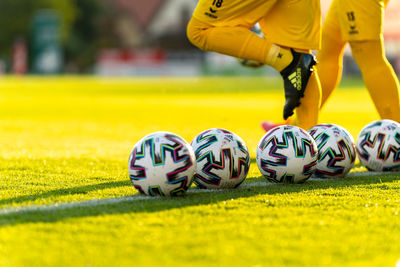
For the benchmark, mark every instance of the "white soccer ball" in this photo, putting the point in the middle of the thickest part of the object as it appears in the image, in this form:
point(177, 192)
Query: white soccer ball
point(378, 146)
point(162, 163)
point(287, 154)
point(223, 159)
point(336, 150)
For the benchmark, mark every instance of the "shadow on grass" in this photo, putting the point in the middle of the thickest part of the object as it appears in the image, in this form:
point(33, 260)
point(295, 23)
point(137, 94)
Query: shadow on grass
point(65, 192)
point(140, 204)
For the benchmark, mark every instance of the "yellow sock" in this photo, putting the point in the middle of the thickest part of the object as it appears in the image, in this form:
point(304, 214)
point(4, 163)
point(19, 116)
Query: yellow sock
point(279, 57)
point(306, 115)
point(238, 42)
point(330, 58)
point(379, 77)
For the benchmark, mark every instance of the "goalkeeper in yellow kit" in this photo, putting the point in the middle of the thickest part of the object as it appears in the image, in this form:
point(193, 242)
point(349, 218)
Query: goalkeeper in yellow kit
point(291, 29)
point(359, 23)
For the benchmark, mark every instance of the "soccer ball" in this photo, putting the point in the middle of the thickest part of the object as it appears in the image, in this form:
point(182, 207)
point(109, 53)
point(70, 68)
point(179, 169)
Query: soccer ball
point(162, 163)
point(378, 146)
point(223, 159)
point(287, 154)
point(336, 150)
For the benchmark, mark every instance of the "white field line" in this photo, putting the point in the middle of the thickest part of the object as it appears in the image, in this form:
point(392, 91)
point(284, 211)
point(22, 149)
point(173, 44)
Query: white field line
point(108, 201)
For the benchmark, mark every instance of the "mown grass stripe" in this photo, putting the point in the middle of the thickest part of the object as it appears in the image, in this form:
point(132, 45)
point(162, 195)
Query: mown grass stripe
point(108, 201)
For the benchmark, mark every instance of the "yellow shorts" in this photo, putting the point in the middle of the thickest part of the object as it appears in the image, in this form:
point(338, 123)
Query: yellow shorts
point(294, 23)
point(291, 23)
point(359, 20)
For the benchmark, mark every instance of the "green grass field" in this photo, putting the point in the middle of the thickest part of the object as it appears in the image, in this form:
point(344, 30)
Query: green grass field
point(66, 199)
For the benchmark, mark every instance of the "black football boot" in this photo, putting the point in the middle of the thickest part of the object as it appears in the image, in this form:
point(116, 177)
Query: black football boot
point(295, 78)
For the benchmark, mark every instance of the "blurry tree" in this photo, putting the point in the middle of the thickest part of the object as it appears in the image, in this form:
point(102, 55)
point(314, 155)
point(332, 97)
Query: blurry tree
point(83, 23)
point(91, 30)
point(15, 18)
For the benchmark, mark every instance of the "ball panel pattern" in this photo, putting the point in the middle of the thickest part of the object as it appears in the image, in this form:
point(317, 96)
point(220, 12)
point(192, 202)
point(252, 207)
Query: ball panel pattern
point(287, 154)
point(162, 163)
point(378, 146)
point(336, 150)
point(223, 160)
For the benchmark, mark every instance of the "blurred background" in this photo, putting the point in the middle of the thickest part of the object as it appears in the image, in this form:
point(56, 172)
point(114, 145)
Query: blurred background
point(125, 38)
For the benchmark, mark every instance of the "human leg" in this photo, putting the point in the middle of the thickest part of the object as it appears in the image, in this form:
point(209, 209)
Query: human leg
point(330, 57)
point(363, 28)
point(307, 113)
point(227, 31)
point(379, 77)
point(297, 24)
point(237, 41)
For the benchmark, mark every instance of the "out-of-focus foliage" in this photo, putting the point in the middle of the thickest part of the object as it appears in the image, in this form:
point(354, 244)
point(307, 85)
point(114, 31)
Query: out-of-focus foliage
point(83, 26)
point(15, 19)
point(91, 30)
